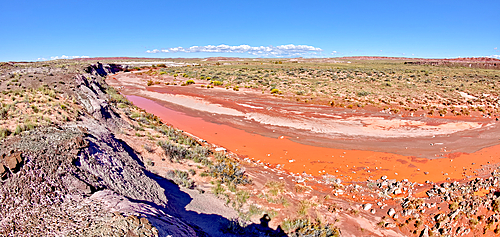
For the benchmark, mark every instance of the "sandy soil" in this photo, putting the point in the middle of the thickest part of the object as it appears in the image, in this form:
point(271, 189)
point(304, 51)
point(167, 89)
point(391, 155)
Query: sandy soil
point(318, 139)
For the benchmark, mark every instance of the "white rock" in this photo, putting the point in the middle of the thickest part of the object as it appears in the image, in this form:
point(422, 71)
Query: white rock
point(220, 149)
point(391, 212)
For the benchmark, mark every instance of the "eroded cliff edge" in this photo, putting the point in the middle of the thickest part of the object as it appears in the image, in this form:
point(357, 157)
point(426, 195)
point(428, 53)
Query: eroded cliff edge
point(74, 177)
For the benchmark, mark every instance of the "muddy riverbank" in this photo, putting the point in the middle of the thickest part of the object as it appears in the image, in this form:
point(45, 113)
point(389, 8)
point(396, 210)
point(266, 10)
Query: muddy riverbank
point(353, 144)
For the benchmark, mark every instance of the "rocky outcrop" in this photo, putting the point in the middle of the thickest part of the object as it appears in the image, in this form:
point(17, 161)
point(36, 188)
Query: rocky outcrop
point(117, 166)
point(66, 181)
point(92, 95)
point(11, 163)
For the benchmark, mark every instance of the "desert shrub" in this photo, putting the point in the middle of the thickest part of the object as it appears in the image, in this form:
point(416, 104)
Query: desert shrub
point(189, 82)
point(35, 109)
point(300, 188)
point(453, 206)
point(180, 178)
point(242, 197)
point(24, 127)
point(115, 97)
point(275, 187)
point(304, 227)
point(150, 162)
point(218, 189)
point(192, 172)
point(304, 206)
point(199, 154)
point(173, 151)
point(46, 91)
point(148, 148)
point(473, 221)
point(177, 136)
point(216, 83)
point(4, 132)
point(150, 82)
point(275, 91)
point(4, 112)
point(363, 93)
point(228, 170)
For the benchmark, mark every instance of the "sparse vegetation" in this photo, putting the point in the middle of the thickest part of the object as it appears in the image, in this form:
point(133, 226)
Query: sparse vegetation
point(377, 83)
point(304, 227)
point(180, 177)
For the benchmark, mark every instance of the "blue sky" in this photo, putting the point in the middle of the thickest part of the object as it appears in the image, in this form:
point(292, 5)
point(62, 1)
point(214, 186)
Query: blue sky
point(430, 29)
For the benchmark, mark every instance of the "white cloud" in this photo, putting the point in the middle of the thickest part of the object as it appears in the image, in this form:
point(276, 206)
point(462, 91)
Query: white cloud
point(274, 51)
point(495, 56)
point(62, 57)
point(67, 57)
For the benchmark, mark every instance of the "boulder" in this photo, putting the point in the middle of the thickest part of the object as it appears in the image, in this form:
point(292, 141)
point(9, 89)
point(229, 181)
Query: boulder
point(14, 161)
point(391, 212)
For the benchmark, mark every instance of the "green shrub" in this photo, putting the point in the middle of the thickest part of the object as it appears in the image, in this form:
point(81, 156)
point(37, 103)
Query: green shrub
point(4, 112)
point(18, 130)
point(4, 132)
point(189, 82)
point(180, 178)
point(304, 227)
point(216, 83)
point(242, 197)
point(228, 170)
point(275, 91)
point(218, 189)
point(453, 206)
point(173, 151)
point(363, 93)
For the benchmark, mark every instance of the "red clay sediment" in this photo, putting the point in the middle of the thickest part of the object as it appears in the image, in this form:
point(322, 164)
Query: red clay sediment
point(349, 165)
